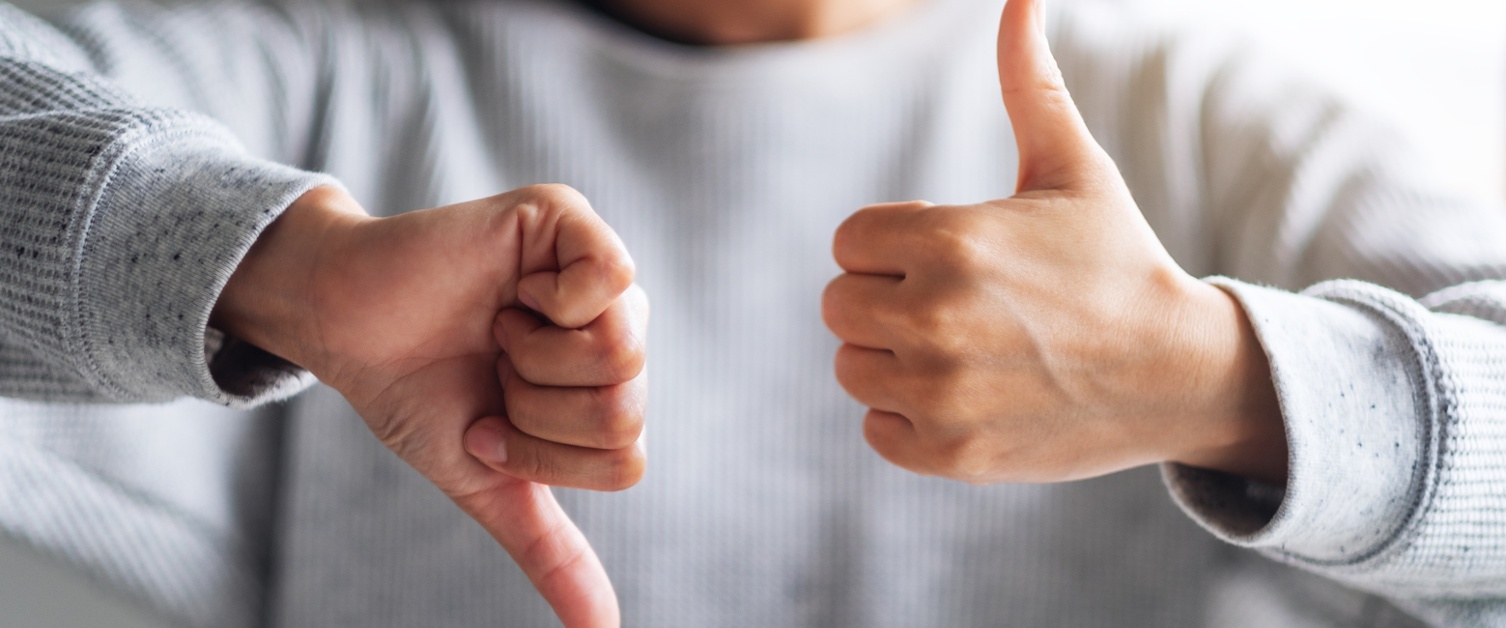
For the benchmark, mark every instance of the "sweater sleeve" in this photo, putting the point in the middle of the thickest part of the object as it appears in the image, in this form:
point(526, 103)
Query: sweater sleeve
point(1378, 298)
point(1394, 410)
point(126, 203)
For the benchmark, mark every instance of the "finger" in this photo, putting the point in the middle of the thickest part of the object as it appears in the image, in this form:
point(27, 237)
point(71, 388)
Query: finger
point(574, 265)
point(875, 239)
point(610, 350)
point(852, 305)
point(894, 438)
point(873, 377)
point(604, 417)
point(1056, 149)
point(527, 521)
point(499, 445)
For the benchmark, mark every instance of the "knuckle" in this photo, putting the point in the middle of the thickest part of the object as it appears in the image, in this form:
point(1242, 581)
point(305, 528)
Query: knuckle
point(846, 236)
point(875, 431)
point(625, 469)
point(928, 321)
point(939, 326)
point(620, 418)
point(507, 373)
point(571, 314)
point(554, 194)
point(1045, 85)
point(635, 309)
point(520, 401)
point(622, 357)
point(970, 459)
point(638, 302)
point(525, 364)
point(905, 454)
point(833, 303)
point(966, 252)
point(935, 398)
point(618, 272)
point(952, 379)
point(960, 240)
point(952, 397)
point(847, 371)
point(533, 466)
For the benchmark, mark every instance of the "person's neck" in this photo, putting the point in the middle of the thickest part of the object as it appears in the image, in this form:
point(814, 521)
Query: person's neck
point(732, 22)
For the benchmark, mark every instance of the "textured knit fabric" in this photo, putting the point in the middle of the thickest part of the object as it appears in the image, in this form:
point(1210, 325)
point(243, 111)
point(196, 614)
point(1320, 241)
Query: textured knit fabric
point(139, 153)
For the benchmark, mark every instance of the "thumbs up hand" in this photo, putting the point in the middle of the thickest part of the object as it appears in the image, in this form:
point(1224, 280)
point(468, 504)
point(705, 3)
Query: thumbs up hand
point(1048, 336)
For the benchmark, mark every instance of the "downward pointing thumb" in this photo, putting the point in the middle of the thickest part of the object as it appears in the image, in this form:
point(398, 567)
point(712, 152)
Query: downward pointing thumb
point(1056, 149)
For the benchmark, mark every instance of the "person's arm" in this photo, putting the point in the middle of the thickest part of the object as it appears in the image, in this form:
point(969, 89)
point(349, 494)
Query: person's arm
point(123, 220)
point(496, 346)
point(1049, 336)
point(1390, 380)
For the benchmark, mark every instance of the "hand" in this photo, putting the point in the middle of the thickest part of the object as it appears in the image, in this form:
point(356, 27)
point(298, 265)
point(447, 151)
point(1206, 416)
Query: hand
point(496, 346)
point(1047, 336)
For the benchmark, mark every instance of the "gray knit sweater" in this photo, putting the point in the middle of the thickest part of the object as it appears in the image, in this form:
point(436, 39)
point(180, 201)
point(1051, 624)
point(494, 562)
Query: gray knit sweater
point(142, 150)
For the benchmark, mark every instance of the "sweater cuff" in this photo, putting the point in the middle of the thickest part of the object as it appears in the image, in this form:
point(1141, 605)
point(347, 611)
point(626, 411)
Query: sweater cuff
point(174, 217)
point(1347, 377)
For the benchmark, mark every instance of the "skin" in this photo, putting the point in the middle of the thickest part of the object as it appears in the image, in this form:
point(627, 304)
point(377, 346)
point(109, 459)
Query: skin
point(498, 346)
point(1047, 336)
point(734, 22)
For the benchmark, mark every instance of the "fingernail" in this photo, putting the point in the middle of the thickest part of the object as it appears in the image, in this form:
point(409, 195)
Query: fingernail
point(485, 441)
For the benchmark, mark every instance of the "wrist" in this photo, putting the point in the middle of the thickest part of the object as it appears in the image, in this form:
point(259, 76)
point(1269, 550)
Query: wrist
point(270, 299)
point(1234, 423)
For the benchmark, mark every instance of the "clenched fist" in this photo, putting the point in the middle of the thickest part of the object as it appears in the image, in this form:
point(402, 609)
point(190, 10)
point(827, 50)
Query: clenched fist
point(497, 346)
point(1048, 336)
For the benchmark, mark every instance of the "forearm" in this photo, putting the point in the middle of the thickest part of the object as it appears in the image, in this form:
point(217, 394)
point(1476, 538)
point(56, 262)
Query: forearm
point(1389, 409)
point(114, 284)
point(271, 300)
point(1385, 403)
point(123, 221)
point(1228, 396)
point(1254, 175)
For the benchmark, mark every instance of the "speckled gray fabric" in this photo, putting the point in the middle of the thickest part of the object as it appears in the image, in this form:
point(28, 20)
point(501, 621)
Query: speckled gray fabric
point(1382, 474)
point(726, 171)
point(123, 216)
point(118, 211)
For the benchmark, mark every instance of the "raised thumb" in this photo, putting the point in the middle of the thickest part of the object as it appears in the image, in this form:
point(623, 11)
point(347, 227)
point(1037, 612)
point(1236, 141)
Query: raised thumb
point(1056, 149)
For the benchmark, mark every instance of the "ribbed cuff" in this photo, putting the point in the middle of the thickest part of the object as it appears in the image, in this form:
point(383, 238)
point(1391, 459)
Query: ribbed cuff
point(1348, 377)
point(173, 219)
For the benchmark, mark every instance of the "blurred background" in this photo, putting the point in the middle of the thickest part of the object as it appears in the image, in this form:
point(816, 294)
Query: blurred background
point(1436, 70)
